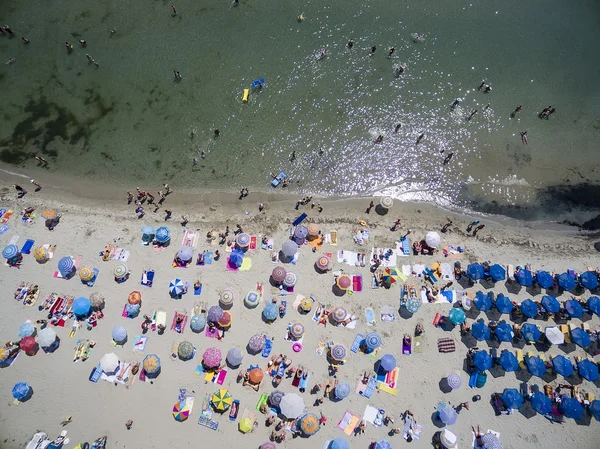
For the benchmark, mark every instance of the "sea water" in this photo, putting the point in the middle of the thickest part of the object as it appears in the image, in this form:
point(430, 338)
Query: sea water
point(129, 121)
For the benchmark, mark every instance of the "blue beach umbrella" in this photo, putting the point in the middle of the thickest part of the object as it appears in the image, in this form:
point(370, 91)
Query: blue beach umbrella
point(529, 308)
point(562, 365)
point(132, 310)
point(504, 304)
point(26, 330)
point(475, 271)
point(339, 443)
point(504, 332)
point(550, 304)
point(480, 331)
point(383, 444)
point(119, 334)
point(270, 312)
point(595, 409)
point(163, 234)
point(65, 265)
point(482, 302)
point(372, 341)
point(512, 398)
point(10, 251)
point(447, 415)
point(252, 299)
point(594, 304)
point(545, 279)
point(530, 332)
point(185, 253)
point(176, 287)
point(589, 280)
point(580, 337)
point(566, 281)
point(524, 277)
point(541, 403)
point(82, 306)
point(497, 272)
point(21, 390)
point(571, 408)
point(197, 323)
point(387, 362)
point(457, 316)
point(509, 361)
point(588, 370)
point(482, 360)
point(536, 366)
point(236, 258)
point(573, 308)
point(147, 230)
point(342, 390)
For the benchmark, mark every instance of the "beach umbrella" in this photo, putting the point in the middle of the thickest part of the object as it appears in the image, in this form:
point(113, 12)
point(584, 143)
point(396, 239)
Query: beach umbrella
point(580, 337)
point(482, 360)
point(586, 369)
point(571, 408)
point(594, 304)
point(120, 271)
point(457, 316)
point(541, 403)
point(482, 302)
point(480, 331)
point(512, 398)
point(447, 415)
point(344, 282)
point(151, 364)
point(386, 202)
point(215, 313)
point(475, 271)
point(554, 335)
point(313, 229)
point(338, 443)
point(97, 301)
point(536, 366)
point(65, 266)
point(278, 274)
point(301, 232)
point(491, 441)
point(595, 409)
point(323, 263)
point(306, 304)
point(290, 279)
point(40, 253)
point(524, 277)
point(225, 320)
point(309, 424)
point(267, 445)
point(46, 337)
point(387, 362)
point(503, 304)
point(132, 310)
point(236, 258)
point(275, 398)
point(256, 343)
point(185, 351)
point(147, 230)
point(342, 390)
point(256, 375)
point(289, 249)
point(509, 361)
point(297, 330)
point(545, 279)
point(49, 214)
point(134, 297)
point(390, 276)
point(339, 314)
point(454, 381)
point(566, 281)
point(382, 444)
point(448, 439)
point(573, 308)
point(562, 365)
point(292, 405)
point(21, 390)
point(504, 332)
point(252, 299)
point(109, 363)
point(270, 312)
point(10, 251)
point(531, 332)
point(245, 425)
point(28, 344)
point(185, 253)
point(211, 358)
point(550, 304)
point(163, 234)
point(181, 411)
point(433, 239)
point(338, 352)
point(589, 280)
point(119, 334)
point(234, 357)
point(197, 323)
point(413, 304)
point(81, 306)
point(372, 341)
point(497, 272)
point(242, 240)
point(529, 308)
point(226, 298)
point(86, 274)
point(26, 330)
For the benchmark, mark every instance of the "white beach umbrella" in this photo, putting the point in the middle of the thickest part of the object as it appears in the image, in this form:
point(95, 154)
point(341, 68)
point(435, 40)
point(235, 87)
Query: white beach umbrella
point(292, 406)
point(433, 239)
point(46, 337)
point(554, 335)
point(109, 363)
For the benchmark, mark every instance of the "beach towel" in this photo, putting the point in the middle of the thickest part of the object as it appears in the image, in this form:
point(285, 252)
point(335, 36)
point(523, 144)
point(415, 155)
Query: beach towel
point(370, 316)
point(392, 377)
point(148, 278)
point(197, 290)
point(447, 272)
point(304, 382)
point(96, 373)
point(446, 345)
point(262, 401)
point(299, 220)
point(403, 247)
point(431, 275)
point(14, 240)
point(333, 237)
point(267, 348)
point(208, 258)
point(26, 249)
point(357, 342)
point(235, 408)
point(207, 422)
point(246, 264)
point(139, 343)
point(4, 229)
point(406, 348)
point(370, 414)
point(6, 216)
point(321, 348)
point(418, 344)
point(253, 242)
point(211, 333)
point(370, 388)
point(348, 422)
point(357, 283)
point(347, 257)
point(382, 386)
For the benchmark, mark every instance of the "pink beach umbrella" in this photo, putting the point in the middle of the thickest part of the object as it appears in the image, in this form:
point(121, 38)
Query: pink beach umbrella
point(212, 358)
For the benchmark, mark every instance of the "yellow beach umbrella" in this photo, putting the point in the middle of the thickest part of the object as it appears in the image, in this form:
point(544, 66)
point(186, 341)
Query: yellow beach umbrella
point(221, 400)
point(40, 253)
point(306, 304)
point(246, 425)
point(86, 274)
point(344, 282)
point(49, 214)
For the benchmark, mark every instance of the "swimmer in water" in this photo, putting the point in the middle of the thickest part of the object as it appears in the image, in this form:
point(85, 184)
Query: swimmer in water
point(455, 103)
point(391, 52)
point(10, 60)
point(89, 58)
point(421, 137)
point(350, 43)
point(25, 40)
point(488, 89)
point(322, 54)
point(473, 112)
point(82, 42)
point(398, 126)
point(448, 157)
point(481, 85)
point(301, 17)
point(373, 49)
point(524, 137)
point(69, 47)
point(517, 109)
point(379, 139)
point(485, 108)
point(203, 155)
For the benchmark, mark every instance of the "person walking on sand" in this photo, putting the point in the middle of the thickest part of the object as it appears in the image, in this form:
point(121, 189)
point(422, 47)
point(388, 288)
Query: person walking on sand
point(524, 137)
point(168, 214)
point(371, 206)
point(184, 220)
point(21, 191)
point(129, 197)
point(477, 229)
point(37, 185)
point(470, 227)
point(167, 189)
point(446, 226)
point(42, 160)
point(395, 226)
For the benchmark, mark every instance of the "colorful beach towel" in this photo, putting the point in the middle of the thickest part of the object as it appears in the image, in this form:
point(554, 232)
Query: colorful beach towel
point(370, 388)
point(348, 422)
point(357, 342)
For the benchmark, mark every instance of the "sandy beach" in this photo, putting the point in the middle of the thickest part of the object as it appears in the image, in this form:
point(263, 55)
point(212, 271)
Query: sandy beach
point(90, 220)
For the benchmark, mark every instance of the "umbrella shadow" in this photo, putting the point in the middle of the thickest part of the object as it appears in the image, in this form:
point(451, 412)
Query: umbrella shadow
point(28, 395)
point(497, 371)
point(464, 282)
point(337, 291)
point(574, 379)
point(527, 410)
point(380, 210)
point(487, 283)
point(513, 287)
point(284, 258)
point(568, 348)
point(523, 375)
point(585, 420)
point(435, 419)
point(493, 314)
point(404, 313)
point(469, 341)
point(533, 290)
point(444, 387)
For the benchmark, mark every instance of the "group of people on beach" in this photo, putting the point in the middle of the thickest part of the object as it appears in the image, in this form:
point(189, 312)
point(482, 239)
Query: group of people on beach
point(142, 197)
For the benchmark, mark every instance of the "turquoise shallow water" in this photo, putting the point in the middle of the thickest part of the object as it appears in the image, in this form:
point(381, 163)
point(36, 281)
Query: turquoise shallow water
point(128, 121)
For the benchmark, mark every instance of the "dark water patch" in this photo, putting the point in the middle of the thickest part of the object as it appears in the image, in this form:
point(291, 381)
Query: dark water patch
point(2, 76)
point(157, 164)
point(106, 156)
point(75, 34)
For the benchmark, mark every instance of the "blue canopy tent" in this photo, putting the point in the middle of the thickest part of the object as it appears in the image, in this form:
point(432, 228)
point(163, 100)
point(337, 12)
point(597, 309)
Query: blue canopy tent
point(571, 408)
point(580, 337)
point(550, 304)
point(566, 281)
point(531, 332)
point(475, 271)
point(503, 304)
point(536, 366)
point(497, 272)
point(545, 279)
point(480, 331)
point(524, 277)
point(589, 280)
point(588, 370)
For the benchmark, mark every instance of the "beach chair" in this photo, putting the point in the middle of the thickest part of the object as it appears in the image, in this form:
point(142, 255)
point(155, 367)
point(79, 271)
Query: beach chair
point(510, 273)
point(520, 358)
point(565, 330)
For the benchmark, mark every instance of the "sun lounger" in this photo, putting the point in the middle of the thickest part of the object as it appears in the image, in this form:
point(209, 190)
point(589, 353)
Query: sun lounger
point(299, 220)
point(565, 330)
point(207, 422)
point(370, 388)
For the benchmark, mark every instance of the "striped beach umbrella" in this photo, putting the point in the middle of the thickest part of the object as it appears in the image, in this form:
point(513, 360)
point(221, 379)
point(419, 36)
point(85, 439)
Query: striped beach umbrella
point(275, 398)
point(163, 234)
point(49, 214)
point(134, 297)
point(97, 301)
point(81, 306)
point(454, 381)
point(252, 299)
point(221, 400)
point(448, 439)
point(313, 229)
point(212, 358)
point(185, 351)
point(413, 304)
point(40, 254)
point(120, 271)
point(344, 282)
point(386, 202)
point(176, 287)
point(256, 343)
point(491, 441)
point(309, 424)
point(151, 364)
point(65, 265)
point(197, 323)
point(372, 341)
point(323, 263)
point(225, 320)
point(290, 279)
point(297, 330)
point(226, 298)
point(86, 274)
point(339, 314)
point(21, 390)
point(342, 390)
point(26, 330)
point(242, 240)
point(270, 312)
point(306, 304)
point(300, 233)
point(338, 352)
point(10, 252)
point(119, 334)
point(181, 411)
point(268, 445)
point(278, 274)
